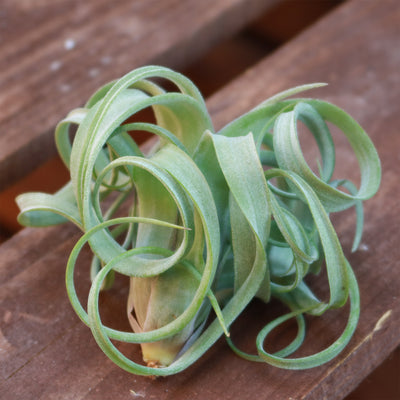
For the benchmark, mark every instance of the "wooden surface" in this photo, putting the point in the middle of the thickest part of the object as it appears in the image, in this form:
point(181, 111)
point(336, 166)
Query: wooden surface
point(54, 54)
point(48, 354)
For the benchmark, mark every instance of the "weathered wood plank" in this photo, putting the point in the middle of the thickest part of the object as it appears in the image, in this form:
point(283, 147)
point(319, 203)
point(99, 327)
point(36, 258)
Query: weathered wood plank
point(354, 51)
point(53, 55)
point(48, 354)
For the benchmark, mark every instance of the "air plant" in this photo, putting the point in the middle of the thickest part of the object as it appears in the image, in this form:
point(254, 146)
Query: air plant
point(212, 219)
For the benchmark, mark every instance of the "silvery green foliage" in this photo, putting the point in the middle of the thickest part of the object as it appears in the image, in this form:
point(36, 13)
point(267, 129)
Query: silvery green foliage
point(213, 219)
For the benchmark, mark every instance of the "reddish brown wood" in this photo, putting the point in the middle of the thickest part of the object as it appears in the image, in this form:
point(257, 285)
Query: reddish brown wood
point(54, 54)
point(47, 353)
point(354, 50)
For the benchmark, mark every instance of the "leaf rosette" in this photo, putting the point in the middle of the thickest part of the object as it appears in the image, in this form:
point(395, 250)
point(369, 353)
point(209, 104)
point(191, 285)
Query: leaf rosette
point(210, 220)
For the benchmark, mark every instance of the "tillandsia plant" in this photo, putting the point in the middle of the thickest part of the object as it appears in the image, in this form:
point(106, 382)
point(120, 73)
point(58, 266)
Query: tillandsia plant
point(210, 219)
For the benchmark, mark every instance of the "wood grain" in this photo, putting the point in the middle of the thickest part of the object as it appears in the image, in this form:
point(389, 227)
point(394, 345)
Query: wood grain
point(354, 50)
point(48, 354)
point(54, 54)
